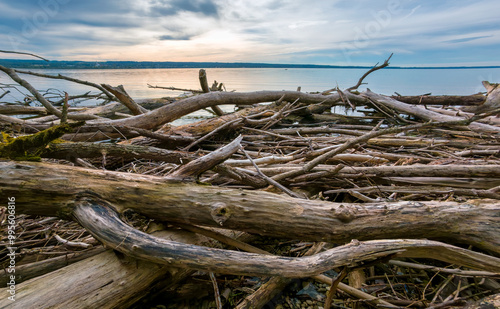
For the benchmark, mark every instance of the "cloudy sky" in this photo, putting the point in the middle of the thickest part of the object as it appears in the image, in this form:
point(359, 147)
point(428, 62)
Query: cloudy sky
point(337, 32)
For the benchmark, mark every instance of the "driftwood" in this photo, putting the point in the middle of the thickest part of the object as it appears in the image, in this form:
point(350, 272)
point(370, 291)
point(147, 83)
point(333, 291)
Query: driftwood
point(105, 280)
point(209, 206)
point(492, 101)
point(371, 190)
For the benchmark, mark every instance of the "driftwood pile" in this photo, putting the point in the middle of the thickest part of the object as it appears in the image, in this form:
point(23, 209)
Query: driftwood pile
point(395, 206)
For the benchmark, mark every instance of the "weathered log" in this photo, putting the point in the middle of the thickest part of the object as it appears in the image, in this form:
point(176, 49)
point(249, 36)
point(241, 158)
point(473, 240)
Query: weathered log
point(107, 280)
point(424, 190)
point(489, 302)
point(36, 269)
point(173, 111)
point(104, 224)
point(447, 100)
point(50, 190)
point(102, 281)
point(14, 109)
point(492, 100)
point(69, 151)
point(201, 165)
point(415, 170)
point(425, 114)
point(125, 99)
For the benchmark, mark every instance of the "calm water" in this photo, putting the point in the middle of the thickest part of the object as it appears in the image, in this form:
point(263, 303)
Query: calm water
point(386, 81)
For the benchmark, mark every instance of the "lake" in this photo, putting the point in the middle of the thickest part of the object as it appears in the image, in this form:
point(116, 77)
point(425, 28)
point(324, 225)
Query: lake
point(385, 81)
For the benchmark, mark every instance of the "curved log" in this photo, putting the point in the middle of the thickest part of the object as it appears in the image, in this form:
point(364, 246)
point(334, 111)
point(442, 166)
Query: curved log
point(183, 107)
point(50, 190)
point(104, 223)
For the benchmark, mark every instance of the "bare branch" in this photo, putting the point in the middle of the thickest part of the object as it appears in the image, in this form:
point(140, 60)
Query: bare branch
point(71, 79)
point(375, 68)
point(23, 53)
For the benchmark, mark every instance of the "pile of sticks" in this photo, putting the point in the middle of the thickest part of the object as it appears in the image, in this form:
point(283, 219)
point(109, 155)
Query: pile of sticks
point(404, 177)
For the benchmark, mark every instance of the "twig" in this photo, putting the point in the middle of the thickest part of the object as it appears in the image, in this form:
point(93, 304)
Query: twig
point(218, 301)
point(71, 243)
point(375, 68)
point(333, 287)
point(441, 288)
point(4, 94)
point(341, 94)
point(175, 88)
point(458, 272)
point(22, 53)
point(270, 180)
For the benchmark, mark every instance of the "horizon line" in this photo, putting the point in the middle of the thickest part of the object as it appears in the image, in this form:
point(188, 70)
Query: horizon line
point(212, 64)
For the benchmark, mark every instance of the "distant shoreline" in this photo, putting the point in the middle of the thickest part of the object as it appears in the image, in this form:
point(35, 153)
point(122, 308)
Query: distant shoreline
point(40, 64)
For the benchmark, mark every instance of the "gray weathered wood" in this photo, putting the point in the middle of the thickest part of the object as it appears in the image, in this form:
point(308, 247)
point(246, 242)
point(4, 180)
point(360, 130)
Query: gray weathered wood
point(48, 189)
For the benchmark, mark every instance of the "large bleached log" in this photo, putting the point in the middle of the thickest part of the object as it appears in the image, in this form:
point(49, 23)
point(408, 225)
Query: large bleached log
point(48, 189)
point(107, 280)
point(173, 111)
point(492, 100)
point(423, 113)
point(451, 100)
point(104, 223)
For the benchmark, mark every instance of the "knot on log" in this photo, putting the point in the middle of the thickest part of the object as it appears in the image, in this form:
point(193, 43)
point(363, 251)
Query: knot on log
point(344, 214)
point(220, 212)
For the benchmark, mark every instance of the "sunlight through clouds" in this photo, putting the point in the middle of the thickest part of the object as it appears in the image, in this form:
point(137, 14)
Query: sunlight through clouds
point(279, 31)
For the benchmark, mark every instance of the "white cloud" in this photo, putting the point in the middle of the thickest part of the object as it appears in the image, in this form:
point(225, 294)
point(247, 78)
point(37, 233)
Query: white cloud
point(317, 31)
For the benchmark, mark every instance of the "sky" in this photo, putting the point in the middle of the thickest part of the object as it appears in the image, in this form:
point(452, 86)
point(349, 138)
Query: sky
point(353, 32)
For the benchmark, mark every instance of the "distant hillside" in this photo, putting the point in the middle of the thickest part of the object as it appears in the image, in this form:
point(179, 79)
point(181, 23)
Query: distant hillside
point(40, 64)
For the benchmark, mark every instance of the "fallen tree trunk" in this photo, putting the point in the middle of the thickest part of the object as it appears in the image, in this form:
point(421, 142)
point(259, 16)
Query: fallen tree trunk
point(41, 189)
point(104, 223)
point(447, 100)
point(424, 113)
point(173, 111)
point(107, 280)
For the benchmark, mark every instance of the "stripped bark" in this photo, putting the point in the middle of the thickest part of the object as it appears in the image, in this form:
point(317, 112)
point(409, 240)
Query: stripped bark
point(43, 190)
point(104, 223)
point(426, 114)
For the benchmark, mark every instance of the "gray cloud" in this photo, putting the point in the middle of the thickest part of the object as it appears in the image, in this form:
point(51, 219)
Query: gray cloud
point(313, 31)
point(168, 37)
point(173, 7)
point(463, 40)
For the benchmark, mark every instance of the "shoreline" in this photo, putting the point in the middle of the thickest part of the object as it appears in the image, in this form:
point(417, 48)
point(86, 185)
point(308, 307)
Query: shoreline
point(105, 65)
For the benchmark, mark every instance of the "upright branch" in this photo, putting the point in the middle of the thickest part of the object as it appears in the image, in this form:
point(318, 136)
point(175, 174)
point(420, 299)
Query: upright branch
point(64, 117)
point(375, 68)
point(206, 89)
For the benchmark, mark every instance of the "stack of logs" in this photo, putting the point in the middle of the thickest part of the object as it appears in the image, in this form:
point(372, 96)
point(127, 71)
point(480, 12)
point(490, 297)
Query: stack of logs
point(406, 177)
